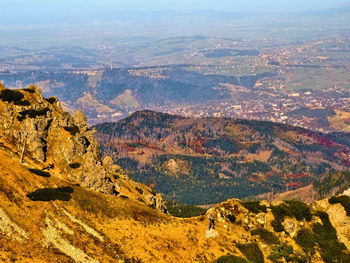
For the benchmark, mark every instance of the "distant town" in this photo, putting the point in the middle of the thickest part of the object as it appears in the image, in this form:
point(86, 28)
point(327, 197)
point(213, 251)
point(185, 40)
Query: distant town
point(305, 84)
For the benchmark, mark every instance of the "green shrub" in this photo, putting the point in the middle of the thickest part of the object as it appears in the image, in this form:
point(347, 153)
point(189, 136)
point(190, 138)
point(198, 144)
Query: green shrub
point(254, 207)
point(184, 210)
point(51, 100)
point(232, 218)
point(299, 210)
point(138, 189)
point(22, 103)
point(32, 113)
point(265, 235)
point(293, 208)
point(51, 194)
point(307, 240)
point(344, 200)
point(40, 172)
point(11, 95)
point(30, 89)
point(331, 249)
point(279, 212)
point(74, 165)
point(230, 259)
point(252, 252)
point(281, 252)
point(277, 225)
point(74, 129)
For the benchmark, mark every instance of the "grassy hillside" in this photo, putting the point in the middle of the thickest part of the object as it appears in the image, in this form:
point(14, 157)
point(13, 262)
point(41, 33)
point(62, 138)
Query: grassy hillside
point(95, 227)
point(47, 215)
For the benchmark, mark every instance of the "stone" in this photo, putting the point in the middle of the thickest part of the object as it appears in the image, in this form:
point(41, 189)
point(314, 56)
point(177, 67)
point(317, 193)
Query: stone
point(47, 135)
point(290, 226)
point(211, 233)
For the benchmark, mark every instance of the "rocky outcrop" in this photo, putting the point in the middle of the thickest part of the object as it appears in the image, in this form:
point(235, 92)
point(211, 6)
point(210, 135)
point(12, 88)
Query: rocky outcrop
point(41, 130)
point(49, 135)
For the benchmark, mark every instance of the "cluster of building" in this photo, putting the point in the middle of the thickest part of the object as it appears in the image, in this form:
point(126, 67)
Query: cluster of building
point(272, 104)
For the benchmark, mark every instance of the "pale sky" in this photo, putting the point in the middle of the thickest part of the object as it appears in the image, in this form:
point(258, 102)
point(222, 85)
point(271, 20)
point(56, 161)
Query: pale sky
point(58, 9)
point(160, 16)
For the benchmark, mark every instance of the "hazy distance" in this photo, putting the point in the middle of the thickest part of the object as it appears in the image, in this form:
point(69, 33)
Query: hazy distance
point(38, 23)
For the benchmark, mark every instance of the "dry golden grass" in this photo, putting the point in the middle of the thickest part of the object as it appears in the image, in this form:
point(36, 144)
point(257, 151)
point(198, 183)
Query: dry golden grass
point(127, 229)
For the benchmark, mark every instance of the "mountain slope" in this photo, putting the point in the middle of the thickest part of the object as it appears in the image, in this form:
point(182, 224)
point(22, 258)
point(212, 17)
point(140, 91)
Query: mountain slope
point(49, 215)
point(95, 227)
point(208, 160)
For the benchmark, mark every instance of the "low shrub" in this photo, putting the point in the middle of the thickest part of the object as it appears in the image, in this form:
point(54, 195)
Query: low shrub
point(344, 200)
point(32, 113)
point(252, 252)
point(306, 240)
point(293, 208)
point(124, 197)
point(230, 259)
point(254, 207)
point(265, 235)
point(277, 225)
point(138, 189)
point(22, 103)
point(51, 194)
point(74, 165)
point(331, 250)
point(285, 253)
point(299, 210)
point(279, 212)
point(73, 130)
point(11, 95)
point(232, 218)
point(40, 172)
point(30, 89)
point(51, 100)
point(281, 252)
point(183, 210)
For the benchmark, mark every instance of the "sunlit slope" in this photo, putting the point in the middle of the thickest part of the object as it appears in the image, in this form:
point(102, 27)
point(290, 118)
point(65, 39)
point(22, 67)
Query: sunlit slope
point(47, 215)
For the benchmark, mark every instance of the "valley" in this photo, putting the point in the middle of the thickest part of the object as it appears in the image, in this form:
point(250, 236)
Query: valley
point(219, 77)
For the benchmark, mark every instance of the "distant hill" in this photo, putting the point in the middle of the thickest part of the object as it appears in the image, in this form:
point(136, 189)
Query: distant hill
point(207, 160)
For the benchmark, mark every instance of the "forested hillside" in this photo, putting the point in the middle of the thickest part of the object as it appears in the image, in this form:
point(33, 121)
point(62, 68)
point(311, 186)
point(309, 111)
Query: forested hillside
point(208, 160)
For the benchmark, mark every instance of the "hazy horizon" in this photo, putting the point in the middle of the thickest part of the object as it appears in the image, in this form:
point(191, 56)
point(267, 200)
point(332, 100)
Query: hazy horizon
point(37, 22)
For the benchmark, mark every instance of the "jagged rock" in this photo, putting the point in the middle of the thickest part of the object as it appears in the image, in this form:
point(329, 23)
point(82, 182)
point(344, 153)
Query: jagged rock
point(50, 133)
point(114, 169)
point(156, 201)
point(80, 120)
point(261, 219)
point(290, 226)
